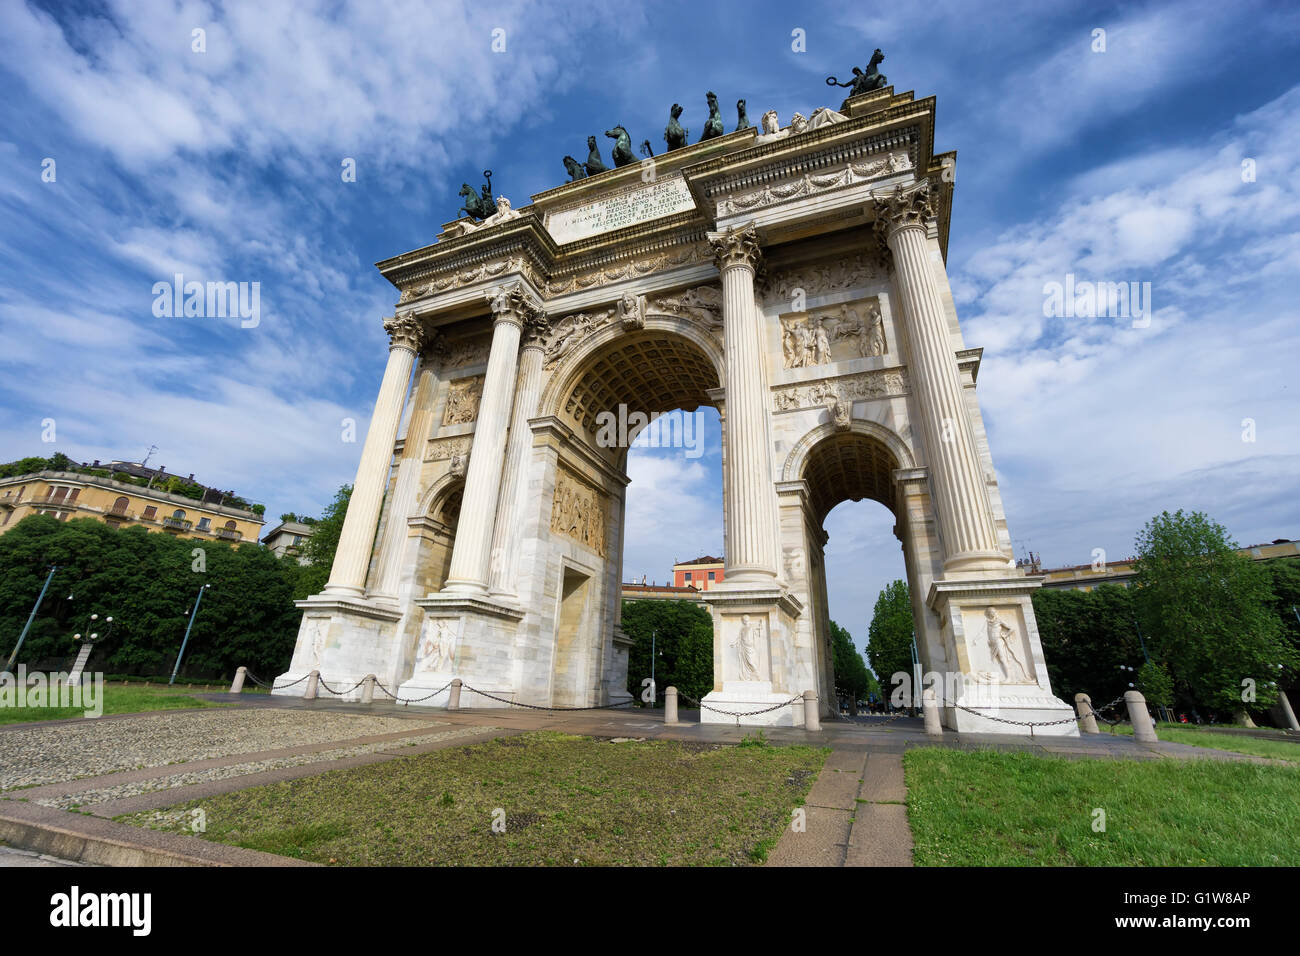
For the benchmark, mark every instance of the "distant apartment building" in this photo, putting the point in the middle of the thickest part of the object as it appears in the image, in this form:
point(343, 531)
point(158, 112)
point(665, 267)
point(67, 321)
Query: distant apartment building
point(1085, 577)
point(114, 493)
point(287, 538)
point(701, 574)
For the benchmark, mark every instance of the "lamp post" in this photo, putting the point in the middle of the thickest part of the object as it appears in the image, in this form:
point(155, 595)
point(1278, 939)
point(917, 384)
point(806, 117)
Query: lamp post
point(193, 614)
point(9, 666)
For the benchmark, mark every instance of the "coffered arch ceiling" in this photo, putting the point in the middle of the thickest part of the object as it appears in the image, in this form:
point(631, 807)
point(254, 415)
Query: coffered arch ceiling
point(849, 467)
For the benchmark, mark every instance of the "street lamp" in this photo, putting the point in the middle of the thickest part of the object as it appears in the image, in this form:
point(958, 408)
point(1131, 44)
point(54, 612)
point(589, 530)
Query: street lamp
point(193, 614)
point(9, 666)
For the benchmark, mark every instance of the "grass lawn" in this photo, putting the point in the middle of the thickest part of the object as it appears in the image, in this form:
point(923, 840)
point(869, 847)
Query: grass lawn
point(1237, 743)
point(118, 699)
point(565, 800)
point(1013, 809)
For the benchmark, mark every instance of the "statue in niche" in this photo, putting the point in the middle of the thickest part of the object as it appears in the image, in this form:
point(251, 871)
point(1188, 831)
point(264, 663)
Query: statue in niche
point(437, 647)
point(674, 133)
point(748, 641)
point(1001, 638)
point(318, 645)
point(713, 126)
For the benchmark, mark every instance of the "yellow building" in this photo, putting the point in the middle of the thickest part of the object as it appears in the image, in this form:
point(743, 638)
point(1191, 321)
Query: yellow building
point(1085, 577)
point(69, 494)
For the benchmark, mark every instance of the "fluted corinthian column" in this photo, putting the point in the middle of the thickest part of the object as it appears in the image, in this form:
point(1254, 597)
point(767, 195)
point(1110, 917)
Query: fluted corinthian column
point(504, 560)
point(468, 574)
point(966, 523)
point(406, 487)
point(751, 541)
point(348, 575)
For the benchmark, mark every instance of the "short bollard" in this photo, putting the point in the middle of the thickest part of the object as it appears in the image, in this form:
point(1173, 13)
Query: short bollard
point(930, 710)
point(453, 698)
point(1087, 718)
point(812, 718)
point(670, 705)
point(1143, 729)
point(368, 689)
point(796, 711)
point(237, 685)
point(1287, 713)
point(312, 680)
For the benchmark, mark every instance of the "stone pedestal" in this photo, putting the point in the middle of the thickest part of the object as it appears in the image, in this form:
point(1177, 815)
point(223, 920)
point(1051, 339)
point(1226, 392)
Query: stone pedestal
point(753, 656)
point(468, 638)
point(345, 640)
point(999, 675)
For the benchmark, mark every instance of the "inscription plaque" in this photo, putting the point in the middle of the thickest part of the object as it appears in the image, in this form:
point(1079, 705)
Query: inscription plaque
point(627, 207)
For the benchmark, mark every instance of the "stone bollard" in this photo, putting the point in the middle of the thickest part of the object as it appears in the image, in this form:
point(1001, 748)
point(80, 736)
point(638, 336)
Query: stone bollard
point(1143, 730)
point(368, 689)
point(796, 710)
point(812, 718)
point(453, 698)
point(1087, 719)
point(312, 680)
point(670, 705)
point(237, 685)
point(930, 709)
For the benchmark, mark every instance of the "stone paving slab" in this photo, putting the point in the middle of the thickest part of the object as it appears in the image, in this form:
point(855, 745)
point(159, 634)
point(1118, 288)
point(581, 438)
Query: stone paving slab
point(881, 836)
point(822, 844)
point(11, 856)
point(882, 780)
point(837, 785)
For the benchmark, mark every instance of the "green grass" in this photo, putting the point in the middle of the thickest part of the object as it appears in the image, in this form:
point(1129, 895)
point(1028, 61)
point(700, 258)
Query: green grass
point(997, 809)
point(1237, 743)
point(118, 699)
point(564, 800)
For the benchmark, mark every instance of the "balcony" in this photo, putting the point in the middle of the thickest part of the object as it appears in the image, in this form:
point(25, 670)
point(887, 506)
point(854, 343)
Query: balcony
point(170, 523)
point(229, 534)
point(118, 514)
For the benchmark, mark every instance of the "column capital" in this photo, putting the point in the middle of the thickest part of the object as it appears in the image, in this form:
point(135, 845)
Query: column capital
point(737, 246)
point(513, 303)
point(902, 207)
point(537, 326)
point(404, 332)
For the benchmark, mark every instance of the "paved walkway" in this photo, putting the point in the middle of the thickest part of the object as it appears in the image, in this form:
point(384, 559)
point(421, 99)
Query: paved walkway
point(131, 763)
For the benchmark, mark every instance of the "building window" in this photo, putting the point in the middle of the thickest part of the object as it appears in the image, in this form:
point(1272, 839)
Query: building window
point(688, 575)
point(205, 524)
point(713, 575)
point(72, 496)
point(230, 525)
point(151, 512)
point(179, 513)
point(121, 504)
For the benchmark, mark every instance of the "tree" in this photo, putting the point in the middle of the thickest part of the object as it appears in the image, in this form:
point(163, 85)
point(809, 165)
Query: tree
point(851, 677)
point(1155, 684)
point(889, 637)
point(148, 583)
point(1206, 611)
point(320, 548)
point(681, 633)
point(1087, 637)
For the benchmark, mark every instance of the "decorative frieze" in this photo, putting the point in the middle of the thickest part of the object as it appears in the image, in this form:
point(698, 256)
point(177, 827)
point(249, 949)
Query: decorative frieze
point(634, 268)
point(810, 184)
point(462, 400)
point(441, 449)
point(469, 276)
point(881, 383)
point(853, 330)
point(578, 512)
point(465, 352)
point(824, 278)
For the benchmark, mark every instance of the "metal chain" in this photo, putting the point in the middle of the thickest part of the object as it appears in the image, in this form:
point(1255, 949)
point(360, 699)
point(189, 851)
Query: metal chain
point(748, 713)
point(283, 686)
point(338, 693)
point(410, 700)
point(515, 703)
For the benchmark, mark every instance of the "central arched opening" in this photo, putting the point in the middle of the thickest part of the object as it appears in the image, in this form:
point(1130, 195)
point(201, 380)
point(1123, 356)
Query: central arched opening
point(859, 572)
point(642, 401)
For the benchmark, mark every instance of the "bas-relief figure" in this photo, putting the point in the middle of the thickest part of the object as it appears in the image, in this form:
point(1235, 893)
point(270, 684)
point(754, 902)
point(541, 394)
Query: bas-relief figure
point(571, 330)
point(1002, 640)
point(437, 648)
point(749, 641)
point(578, 512)
point(462, 401)
point(807, 342)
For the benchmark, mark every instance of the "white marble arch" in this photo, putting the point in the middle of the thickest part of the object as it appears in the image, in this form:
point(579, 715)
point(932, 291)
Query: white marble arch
point(798, 456)
point(569, 370)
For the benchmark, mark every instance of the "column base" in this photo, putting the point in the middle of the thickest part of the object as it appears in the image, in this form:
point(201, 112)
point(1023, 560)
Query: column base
point(343, 638)
point(473, 638)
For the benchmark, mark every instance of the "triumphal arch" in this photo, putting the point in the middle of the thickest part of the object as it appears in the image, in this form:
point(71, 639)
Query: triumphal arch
point(790, 276)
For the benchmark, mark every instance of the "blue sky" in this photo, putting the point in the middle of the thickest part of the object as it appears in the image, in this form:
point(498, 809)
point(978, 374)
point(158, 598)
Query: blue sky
point(1122, 165)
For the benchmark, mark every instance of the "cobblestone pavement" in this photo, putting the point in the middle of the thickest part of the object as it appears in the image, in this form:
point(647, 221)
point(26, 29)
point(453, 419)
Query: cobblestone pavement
point(68, 750)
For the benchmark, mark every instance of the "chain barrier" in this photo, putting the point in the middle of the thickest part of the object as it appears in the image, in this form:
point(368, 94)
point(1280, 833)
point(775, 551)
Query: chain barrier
point(338, 693)
point(731, 713)
point(515, 703)
point(409, 700)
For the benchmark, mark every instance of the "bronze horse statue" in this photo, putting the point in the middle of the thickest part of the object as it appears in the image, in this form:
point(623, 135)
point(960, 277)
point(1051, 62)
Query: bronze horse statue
point(674, 133)
point(622, 146)
point(594, 163)
point(861, 83)
point(574, 168)
point(713, 127)
point(478, 206)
